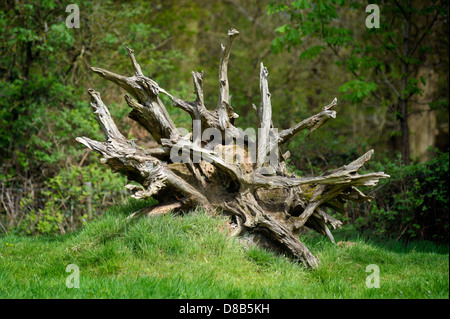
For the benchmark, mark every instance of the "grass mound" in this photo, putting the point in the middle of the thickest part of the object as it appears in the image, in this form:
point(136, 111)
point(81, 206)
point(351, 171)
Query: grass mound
point(192, 256)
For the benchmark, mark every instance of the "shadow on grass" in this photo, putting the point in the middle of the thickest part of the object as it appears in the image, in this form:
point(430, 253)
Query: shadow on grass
point(398, 246)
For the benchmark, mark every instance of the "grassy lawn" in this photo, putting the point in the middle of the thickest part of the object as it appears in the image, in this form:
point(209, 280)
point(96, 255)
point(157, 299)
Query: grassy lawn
point(192, 257)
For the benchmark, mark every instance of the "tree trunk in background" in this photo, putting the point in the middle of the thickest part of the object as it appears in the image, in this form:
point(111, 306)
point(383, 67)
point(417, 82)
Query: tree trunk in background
point(422, 120)
point(403, 100)
point(406, 154)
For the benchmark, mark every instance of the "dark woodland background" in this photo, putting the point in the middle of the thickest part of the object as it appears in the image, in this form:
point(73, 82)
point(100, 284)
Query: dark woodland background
point(391, 83)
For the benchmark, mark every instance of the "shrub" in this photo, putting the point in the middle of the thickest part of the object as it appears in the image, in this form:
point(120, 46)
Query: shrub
point(64, 202)
point(412, 203)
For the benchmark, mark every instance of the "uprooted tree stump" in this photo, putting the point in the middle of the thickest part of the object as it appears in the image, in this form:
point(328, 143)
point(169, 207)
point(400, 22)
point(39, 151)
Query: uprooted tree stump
point(220, 167)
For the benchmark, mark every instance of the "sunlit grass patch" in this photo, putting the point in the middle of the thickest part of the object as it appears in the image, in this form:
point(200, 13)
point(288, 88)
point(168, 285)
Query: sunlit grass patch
point(192, 256)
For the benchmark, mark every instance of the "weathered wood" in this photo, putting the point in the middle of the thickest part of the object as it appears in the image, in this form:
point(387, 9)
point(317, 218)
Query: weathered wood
point(156, 210)
point(312, 123)
point(267, 204)
point(224, 110)
point(264, 118)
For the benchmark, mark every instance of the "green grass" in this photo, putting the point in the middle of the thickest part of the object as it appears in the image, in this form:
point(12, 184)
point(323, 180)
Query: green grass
point(192, 257)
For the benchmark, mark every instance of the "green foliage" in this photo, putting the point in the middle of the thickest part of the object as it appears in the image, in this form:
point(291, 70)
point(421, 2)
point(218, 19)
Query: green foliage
point(44, 74)
point(191, 257)
point(381, 68)
point(356, 90)
point(45, 220)
point(382, 64)
point(413, 202)
point(65, 200)
point(33, 94)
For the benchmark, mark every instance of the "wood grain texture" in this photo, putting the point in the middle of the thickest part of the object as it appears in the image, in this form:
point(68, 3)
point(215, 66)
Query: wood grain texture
point(270, 206)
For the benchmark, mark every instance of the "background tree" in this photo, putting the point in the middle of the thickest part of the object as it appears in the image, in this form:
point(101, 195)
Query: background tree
point(44, 69)
point(392, 66)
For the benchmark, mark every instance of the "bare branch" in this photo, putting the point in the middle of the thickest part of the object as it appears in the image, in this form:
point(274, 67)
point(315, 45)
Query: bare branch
point(312, 123)
point(346, 175)
point(152, 119)
point(104, 117)
point(198, 84)
point(136, 66)
point(424, 34)
point(223, 106)
point(122, 81)
point(264, 116)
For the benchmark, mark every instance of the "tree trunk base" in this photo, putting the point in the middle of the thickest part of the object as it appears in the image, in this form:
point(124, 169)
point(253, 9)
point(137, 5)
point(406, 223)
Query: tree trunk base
point(240, 174)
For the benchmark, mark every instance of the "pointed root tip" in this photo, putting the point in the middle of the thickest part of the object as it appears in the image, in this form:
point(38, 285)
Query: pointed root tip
point(331, 105)
point(94, 94)
point(83, 141)
point(233, 32)
point(96, 70)
point(127, 98)
point(264, 70)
